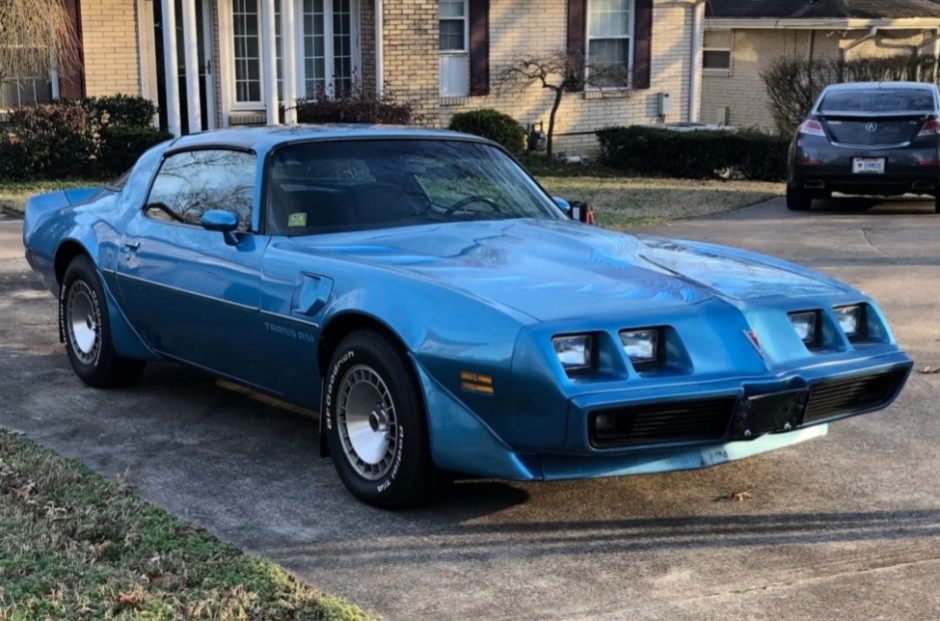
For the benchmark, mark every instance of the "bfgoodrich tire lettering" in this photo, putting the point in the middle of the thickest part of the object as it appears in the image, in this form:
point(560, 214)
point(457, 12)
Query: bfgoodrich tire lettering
point(376, 425)
point(83, 314)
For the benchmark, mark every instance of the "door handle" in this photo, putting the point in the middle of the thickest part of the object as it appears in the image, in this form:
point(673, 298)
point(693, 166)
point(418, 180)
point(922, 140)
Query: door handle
point(132, 245)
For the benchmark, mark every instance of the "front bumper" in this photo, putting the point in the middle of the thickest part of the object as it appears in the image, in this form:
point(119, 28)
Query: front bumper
point(766, 413)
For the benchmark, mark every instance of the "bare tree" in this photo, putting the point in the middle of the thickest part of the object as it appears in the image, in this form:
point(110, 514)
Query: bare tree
point(560, 72)
point(36, 36)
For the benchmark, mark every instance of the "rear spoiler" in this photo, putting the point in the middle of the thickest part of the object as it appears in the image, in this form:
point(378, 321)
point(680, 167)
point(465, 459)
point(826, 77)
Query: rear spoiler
point(40, 206)
point(868, 115)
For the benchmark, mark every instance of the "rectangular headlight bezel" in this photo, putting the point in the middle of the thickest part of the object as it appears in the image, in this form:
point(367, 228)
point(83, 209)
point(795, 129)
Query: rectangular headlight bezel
point(812, 338)
point(653, 358)
point(588, 360)
point(861, 321)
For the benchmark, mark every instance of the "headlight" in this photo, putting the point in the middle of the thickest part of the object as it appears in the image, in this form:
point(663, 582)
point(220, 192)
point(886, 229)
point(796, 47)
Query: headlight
point(805, 325)
point(574, 352)
point(641, 346)
point(850, 320)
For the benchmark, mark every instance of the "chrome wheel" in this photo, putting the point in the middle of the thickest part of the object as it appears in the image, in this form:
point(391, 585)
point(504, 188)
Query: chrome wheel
point(83, 321)
point(368, 426)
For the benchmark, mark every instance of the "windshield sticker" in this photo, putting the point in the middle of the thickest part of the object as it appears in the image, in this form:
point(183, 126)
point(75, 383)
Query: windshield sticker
point(298, 218)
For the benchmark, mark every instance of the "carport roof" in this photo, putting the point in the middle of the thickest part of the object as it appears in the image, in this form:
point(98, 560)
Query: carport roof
point(822, 9)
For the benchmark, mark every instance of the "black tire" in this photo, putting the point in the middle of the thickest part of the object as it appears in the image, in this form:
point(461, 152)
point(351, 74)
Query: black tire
point(392, 470)
point(798, 200)
point(93, 357)
point(936, 203)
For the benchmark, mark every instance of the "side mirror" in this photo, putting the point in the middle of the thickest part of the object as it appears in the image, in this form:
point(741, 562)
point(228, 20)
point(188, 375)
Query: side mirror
point(582, 212)
point(222, 221)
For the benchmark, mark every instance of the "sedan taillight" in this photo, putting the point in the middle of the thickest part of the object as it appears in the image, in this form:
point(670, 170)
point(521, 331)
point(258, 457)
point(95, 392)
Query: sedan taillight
point(811, 127)
point(931, 128)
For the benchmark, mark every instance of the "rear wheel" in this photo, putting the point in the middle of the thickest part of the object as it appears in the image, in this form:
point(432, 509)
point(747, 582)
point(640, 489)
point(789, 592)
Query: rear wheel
point(83, 312)
point(798, 200)
point(376, 424)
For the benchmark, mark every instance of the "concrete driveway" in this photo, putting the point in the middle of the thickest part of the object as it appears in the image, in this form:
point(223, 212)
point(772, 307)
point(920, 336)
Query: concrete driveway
point(843, 527)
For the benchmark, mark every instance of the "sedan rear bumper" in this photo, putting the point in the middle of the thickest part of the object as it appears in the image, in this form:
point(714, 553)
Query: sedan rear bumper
point(821, 167)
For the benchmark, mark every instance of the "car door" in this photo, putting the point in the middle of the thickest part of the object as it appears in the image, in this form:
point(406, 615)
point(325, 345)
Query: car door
point(190, 292)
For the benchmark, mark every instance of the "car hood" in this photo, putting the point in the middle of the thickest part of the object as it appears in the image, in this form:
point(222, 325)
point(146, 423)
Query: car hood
point(553, 269)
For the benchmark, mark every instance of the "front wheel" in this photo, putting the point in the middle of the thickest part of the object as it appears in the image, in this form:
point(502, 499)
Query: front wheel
point(376, 425)
point(83, 314)
point(798, 200)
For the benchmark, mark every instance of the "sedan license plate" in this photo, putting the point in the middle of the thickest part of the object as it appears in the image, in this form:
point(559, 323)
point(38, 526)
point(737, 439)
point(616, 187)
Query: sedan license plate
point(868, 165)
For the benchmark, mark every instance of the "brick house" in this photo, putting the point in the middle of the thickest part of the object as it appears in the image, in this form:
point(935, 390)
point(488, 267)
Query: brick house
point(743, 37)
point(215, 63)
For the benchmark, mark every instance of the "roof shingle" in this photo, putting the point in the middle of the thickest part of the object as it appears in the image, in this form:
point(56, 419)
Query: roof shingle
point(822, 9)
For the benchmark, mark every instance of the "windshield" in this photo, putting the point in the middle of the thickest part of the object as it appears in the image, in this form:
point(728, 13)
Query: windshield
point(325, 186)
point(879, 100)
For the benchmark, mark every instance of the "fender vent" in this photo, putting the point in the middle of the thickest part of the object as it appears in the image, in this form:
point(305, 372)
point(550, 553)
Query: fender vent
point(832, 399)
point(661, 423)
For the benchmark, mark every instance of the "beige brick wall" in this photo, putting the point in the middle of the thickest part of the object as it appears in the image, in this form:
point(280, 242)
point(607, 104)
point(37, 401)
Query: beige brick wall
point(532, 27)
point(742, 89)
point(109, 38)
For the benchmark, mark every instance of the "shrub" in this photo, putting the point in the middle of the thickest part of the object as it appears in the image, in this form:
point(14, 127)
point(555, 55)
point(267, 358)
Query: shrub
point(51, 139)
point(80, 137)
point(356, 107)
point(491, 124)
point(695, 154)
point(120, 147)
point(793, 84)
point(126, 110)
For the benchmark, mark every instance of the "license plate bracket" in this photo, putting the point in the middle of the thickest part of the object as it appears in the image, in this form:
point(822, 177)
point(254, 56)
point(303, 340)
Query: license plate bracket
point(777, 411)
point(868, 165)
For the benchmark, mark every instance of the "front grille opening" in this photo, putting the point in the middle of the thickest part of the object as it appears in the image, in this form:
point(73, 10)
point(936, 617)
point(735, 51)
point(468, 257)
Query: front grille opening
point(838, 398)
point(661, 423)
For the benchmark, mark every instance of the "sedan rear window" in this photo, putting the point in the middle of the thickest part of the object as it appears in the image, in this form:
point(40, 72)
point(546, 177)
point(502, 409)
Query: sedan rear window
point(878, 100)
point(332, 186)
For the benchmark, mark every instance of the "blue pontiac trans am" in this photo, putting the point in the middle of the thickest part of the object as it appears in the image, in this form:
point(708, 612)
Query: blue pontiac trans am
point(445, 314)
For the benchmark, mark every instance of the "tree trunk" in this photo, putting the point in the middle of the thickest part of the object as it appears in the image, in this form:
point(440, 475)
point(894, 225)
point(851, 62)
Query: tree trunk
point(549, 140)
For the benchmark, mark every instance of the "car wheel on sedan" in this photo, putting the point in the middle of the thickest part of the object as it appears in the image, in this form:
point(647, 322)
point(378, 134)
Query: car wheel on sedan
point(936, 203)
point(83, 314)
point(798, 200)
point(376, 425)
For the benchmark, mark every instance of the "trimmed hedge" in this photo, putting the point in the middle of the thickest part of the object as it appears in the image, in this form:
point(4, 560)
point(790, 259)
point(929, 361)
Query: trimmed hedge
point(491, 124)
point(698, 154)
point(71, 138)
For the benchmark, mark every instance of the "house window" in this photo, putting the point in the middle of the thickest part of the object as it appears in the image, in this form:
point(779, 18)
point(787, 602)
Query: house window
point(609, 53)
point(716, 53)
point(328, 60)
point(326, 53)
point(454, 52)
point(246, 24)
point(21, 91)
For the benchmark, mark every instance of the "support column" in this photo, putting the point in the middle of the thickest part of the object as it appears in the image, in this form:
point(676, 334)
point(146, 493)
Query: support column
point(289, 60)
point(171, 72)
point(269, 61)
point(191, 62)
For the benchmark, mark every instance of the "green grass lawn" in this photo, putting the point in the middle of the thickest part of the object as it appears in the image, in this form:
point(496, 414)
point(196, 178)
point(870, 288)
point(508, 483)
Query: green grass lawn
point(74, 546)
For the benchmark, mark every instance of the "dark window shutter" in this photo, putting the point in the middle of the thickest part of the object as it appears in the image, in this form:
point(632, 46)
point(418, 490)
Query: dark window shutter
point(72, 78)
point(479, 47)
point(577, 31)
point(642, 50)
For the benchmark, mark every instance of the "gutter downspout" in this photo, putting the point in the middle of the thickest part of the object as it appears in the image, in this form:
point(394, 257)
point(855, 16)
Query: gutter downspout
point(379, 48)
point(695, 71)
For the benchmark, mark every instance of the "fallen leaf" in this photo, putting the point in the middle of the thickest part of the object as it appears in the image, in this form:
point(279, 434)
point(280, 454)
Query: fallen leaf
point(735, 497)
point(929, 371)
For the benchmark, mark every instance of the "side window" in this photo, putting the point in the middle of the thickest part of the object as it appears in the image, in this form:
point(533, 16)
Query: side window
point(193, 182)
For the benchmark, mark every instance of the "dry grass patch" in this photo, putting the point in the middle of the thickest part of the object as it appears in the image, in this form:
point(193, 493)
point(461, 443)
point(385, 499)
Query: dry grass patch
point(74, 546)
point(622, 202)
